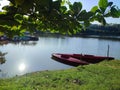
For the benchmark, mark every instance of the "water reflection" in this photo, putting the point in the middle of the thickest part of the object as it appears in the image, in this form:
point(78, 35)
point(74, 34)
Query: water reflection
point(22, 67)
point(2, 61)
point(4, 42)
point(2, 58)
point(30, 43)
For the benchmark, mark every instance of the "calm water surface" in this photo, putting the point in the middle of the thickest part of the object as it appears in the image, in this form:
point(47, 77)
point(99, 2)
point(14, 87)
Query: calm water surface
point(36, 56)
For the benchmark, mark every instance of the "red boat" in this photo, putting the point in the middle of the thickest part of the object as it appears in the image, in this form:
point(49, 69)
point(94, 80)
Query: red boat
point(79, 59)
point(68, 59)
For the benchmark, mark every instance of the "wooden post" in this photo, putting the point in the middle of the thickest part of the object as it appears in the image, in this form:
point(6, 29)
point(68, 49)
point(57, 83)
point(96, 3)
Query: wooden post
point(108, 50)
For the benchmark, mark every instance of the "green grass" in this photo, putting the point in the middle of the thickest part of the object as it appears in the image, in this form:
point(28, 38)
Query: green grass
point(101, 76)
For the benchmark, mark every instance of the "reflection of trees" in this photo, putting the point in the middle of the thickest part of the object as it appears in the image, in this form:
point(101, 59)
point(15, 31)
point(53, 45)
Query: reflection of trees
point(2, 61)
point(32, 43)
point(3, 42)
point(2, 57)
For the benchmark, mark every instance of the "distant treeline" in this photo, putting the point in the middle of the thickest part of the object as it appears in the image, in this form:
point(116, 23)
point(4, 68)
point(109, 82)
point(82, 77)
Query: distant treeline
point(95, 29)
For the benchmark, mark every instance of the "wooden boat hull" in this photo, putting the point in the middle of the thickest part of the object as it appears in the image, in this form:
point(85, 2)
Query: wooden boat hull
point(91, 58)
point(79, 59)
point(68, 60)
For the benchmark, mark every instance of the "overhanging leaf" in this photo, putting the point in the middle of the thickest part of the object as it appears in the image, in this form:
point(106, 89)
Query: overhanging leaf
point(63, 9)
point(18, 18)
point(115, 13)
point(103, 5)
point(19, 2)
point(76, 8)
point(94, 9)
point(110, 3)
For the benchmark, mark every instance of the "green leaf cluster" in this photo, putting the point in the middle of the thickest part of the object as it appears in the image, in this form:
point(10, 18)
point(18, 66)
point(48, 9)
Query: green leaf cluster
point(52, 16)
point(105, 9)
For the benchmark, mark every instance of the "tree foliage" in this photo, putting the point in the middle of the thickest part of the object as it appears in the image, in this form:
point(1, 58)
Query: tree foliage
point(52, 15)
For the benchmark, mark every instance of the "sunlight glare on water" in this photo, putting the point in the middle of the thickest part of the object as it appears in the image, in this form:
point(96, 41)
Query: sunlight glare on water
point(22, 67)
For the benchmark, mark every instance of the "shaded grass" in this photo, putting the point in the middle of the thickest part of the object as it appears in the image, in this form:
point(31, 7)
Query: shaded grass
point(101, 76)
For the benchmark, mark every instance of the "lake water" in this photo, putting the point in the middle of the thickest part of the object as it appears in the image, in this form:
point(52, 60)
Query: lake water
point(36, 56)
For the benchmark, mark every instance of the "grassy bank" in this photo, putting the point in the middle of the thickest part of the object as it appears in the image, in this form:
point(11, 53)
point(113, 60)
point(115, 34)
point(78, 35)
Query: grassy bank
point(101, 76)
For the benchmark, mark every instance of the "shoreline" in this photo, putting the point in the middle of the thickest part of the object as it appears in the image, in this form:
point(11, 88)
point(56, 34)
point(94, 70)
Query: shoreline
point(94, 77)
point(98, 36)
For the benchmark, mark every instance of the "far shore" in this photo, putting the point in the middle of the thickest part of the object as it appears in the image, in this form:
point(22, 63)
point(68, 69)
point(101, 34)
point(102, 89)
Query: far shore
point(110, 37)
